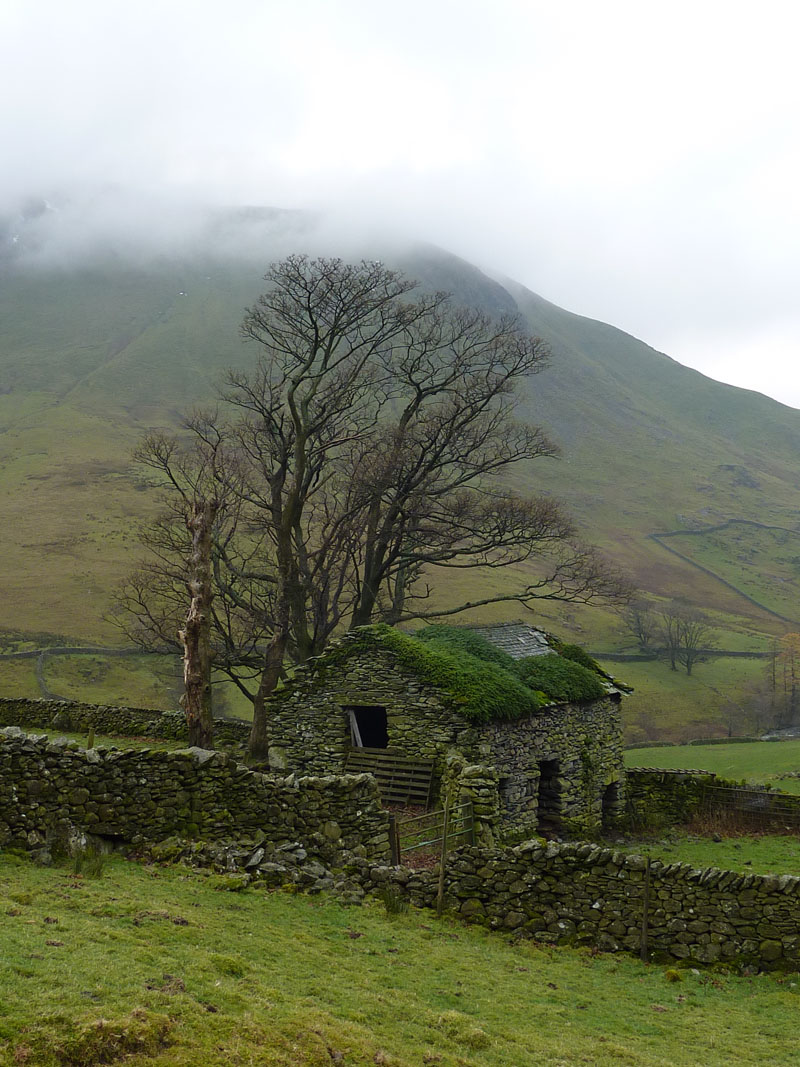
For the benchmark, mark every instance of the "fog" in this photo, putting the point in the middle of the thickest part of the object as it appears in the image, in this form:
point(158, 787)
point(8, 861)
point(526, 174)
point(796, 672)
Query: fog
point(632, 163)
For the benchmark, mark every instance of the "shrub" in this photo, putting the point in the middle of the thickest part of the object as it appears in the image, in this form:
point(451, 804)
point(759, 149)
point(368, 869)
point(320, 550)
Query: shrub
point(577, 655)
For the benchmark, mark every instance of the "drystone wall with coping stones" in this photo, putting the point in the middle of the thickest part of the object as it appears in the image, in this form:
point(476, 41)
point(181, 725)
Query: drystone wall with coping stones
point(658, 797)
point(107, 718)
point(48, 790)
point(584, 894)
point(310, 732)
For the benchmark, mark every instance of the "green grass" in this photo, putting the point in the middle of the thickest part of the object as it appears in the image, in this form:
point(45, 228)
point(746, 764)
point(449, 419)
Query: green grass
point(673, 706)
point(157, 966)
point(747, 853)
point(756, 761)
point(108, 740)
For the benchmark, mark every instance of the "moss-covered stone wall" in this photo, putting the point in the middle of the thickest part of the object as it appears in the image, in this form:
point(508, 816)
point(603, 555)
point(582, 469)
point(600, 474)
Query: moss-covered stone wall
point(585, 894)
point(49, 789)
point(112, 719)
point(659, 797)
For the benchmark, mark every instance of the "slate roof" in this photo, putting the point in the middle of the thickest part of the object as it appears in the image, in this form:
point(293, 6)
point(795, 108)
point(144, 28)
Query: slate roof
point(518, 639)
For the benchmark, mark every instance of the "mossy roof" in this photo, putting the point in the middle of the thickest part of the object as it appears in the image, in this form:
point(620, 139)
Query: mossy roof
point(477, 688)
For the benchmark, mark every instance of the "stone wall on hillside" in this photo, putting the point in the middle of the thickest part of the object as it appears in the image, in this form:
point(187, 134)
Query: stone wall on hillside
point(48, 789)
point(585, 894)
point(112, 719)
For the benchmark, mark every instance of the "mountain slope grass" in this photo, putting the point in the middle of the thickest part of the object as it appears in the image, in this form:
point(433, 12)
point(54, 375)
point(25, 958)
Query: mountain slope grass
point(160, 966)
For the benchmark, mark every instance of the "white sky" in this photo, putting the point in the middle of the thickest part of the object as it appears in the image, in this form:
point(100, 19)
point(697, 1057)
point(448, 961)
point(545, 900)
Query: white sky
point(634, 162)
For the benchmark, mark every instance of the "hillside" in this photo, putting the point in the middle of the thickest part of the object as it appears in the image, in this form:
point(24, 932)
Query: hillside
point(95, 352)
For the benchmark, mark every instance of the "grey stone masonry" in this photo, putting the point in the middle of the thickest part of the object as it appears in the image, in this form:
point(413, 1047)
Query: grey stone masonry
point(50, 789)
point(585, 894)
point(580, 744)
point(112, 719)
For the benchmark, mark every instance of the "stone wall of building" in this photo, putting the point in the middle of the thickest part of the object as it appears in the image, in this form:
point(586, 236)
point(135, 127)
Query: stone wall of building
point(79, 717)
point(577, 747)
point(49, 789)
point(310, 729)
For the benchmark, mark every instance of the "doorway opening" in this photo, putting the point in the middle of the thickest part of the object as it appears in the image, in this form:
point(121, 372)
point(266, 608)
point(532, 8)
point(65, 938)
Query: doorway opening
point(610, 803)
point(549, 792)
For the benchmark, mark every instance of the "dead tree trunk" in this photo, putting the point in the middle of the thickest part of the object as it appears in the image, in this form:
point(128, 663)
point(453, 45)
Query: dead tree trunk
point(196, 633)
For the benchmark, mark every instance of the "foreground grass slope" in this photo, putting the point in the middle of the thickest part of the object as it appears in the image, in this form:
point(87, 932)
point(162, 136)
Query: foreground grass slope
point(160, 966)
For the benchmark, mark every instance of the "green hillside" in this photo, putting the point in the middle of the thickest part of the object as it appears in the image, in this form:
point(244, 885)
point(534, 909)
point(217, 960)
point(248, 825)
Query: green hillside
point(92, 356)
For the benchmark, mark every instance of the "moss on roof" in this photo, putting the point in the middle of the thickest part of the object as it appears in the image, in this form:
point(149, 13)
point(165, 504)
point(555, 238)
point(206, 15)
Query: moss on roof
point(481, 691)
point(468, 672)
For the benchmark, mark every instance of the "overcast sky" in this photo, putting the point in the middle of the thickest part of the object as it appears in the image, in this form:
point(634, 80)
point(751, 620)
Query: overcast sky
point(634, 162)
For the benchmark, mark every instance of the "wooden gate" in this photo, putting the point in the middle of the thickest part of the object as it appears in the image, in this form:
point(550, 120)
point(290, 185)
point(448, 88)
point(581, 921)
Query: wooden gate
point(401, 780)
point(435, 831)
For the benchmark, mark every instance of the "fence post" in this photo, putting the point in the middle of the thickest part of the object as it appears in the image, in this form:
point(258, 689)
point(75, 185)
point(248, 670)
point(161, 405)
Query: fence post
point(643, 953)
point(445, 831)
point(394, 840)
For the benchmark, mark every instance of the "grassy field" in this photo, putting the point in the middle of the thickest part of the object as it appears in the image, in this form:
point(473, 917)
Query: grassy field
point(756, 761)
point(748, 853)
point(158, 966)
point(145, 681)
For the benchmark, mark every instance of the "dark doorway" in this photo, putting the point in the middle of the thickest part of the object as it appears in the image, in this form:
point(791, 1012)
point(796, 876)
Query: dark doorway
point(368, 726)
point(549, 793)
point(611, 803)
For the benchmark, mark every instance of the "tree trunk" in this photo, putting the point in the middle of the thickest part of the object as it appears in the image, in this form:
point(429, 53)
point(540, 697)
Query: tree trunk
point(258, 744)
point(196, 634)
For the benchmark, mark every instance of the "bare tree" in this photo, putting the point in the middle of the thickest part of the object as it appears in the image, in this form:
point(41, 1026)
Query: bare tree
point(366, 451)
point(641, 620)
point(188, 596)
point(686, 634)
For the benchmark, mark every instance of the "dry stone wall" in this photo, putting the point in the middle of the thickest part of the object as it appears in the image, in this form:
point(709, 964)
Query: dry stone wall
point(669, 797)
point(585, 894)
point(49, 789)
point(125, 722)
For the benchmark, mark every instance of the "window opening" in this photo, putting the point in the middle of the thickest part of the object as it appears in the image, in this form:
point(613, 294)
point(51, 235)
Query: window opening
point(368, 726)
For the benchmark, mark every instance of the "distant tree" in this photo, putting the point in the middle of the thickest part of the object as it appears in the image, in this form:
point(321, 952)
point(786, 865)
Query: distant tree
point(685, 634)
point(789, 666)
point(696, 637)
point(641, 620)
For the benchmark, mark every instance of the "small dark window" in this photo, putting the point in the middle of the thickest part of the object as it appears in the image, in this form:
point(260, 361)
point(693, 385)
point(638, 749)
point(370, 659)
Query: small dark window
point(368, 726)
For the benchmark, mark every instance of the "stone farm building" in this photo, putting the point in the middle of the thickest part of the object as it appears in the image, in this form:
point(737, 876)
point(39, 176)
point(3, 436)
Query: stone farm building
point(375, 693)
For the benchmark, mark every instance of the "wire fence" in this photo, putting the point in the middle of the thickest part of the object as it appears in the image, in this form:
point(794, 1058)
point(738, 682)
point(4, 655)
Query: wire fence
point(758, 806)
